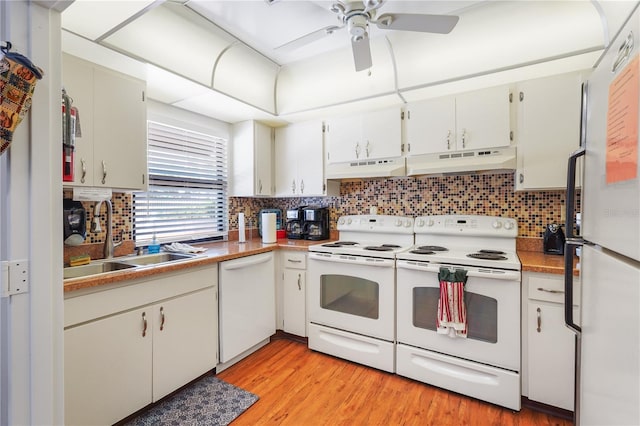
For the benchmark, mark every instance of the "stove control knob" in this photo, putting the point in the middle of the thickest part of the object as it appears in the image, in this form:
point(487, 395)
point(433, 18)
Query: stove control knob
point(430, 222)
point(508, 225)
point(497, 224)
point(341, 221)
point(420, 223)
point(349, 221)
point(398, 222)
point(407, 223)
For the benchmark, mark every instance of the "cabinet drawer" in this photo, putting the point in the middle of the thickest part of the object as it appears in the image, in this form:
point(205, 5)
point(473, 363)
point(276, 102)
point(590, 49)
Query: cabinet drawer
point(294, 260)
point(550, 288)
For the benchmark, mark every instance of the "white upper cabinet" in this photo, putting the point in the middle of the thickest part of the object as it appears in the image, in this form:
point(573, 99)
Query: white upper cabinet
point(299, 160)
point(468, 121)
point(112, 148)
point(548, 130)
point(366, 136)
point(252, 153)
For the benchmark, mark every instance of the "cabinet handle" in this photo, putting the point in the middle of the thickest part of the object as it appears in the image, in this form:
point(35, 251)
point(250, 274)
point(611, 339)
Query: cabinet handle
point(521, 96)
point(84, 169)
point(293, 186)
point(367, 148)
point(551, 291)
point(259, 186)
point(449, 139)
point(357, 149)
point(539, 313)
point(144, 324)
point(104, 172)
point(161, 318)
point(302, 186)
point(464, 137)
point(521, 178)
point(294, 260)
point(299, 278)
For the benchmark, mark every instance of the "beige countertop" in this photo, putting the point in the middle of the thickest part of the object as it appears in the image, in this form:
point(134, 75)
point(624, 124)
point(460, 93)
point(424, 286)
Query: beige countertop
point(216, 252)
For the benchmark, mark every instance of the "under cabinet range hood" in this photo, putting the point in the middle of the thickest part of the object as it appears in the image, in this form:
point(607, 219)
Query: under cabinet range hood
point(362, 169)
point(494, 159)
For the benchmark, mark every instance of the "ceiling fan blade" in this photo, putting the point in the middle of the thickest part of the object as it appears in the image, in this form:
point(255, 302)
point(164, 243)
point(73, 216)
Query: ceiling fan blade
point(308, 38)
point(442, 24)
point(361, 53)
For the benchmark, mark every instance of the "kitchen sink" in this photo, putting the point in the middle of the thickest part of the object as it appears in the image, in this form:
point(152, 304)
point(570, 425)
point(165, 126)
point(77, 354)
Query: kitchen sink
point(152, 259)
point(94, 268)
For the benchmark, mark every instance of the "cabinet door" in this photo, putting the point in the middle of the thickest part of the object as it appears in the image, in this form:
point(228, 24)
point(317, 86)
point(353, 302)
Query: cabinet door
point(551, 355)
point(107, 368)
point(483, 119)
point(381, 134)
point(548, 130)
point(295, 321)
point(263, 163)
point(310, 158)
point(77, 76)
point(430, 126)
point(286, 144)
point(180, 326)
point(120, 131)
point(344, 137)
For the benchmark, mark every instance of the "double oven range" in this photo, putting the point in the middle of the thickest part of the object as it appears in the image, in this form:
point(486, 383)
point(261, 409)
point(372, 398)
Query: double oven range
point(373, 299)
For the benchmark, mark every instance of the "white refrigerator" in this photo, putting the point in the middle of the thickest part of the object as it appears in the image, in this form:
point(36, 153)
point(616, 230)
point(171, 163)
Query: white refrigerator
point(608, 337)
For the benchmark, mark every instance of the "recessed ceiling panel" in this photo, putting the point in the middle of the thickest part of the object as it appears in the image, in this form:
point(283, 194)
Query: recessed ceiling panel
point(174, 37)
point(92, 19)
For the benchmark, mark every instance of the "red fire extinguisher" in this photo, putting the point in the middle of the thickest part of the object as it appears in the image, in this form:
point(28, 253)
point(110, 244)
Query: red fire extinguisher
point(68, 137)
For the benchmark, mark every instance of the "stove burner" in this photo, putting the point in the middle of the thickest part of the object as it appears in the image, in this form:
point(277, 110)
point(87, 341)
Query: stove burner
point(433, 248)
point(390, 245)
point(487, 256)
point(379, 248)
point(420, 250)
point(340, 244)
point(491, 251)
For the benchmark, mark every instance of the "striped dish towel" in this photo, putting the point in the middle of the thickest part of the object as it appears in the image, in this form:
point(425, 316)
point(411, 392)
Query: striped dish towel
point(452, 313)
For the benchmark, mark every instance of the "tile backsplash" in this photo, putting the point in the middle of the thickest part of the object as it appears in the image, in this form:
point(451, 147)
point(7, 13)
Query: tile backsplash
point(478, 194)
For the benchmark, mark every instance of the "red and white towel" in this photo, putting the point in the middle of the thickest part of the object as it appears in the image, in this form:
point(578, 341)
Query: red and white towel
point(452, 312)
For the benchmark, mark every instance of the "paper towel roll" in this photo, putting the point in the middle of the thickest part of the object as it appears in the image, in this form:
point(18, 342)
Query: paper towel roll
point(241, 233)
point(268, 228)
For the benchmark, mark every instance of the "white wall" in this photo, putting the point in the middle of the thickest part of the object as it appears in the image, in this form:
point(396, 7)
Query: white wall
point(31, 335)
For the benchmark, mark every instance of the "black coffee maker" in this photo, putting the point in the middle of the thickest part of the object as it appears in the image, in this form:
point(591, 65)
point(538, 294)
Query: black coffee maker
point(553, 241)
point(316, 223)
point(294, 224)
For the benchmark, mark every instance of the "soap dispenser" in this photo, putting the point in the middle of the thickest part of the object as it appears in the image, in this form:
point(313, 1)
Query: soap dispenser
point(154, 247)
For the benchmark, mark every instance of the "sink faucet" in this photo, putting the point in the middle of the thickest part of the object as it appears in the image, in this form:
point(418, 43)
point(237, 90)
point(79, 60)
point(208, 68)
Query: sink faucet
point(109, 245)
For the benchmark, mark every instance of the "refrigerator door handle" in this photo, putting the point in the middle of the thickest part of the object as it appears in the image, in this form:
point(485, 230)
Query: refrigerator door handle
point(571, 241)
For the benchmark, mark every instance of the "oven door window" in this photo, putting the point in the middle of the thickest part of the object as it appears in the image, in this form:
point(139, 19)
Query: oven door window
point(482, 313)
point(350, 295)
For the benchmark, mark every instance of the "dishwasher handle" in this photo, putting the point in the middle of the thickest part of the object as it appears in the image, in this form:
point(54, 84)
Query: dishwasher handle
point(244, 263)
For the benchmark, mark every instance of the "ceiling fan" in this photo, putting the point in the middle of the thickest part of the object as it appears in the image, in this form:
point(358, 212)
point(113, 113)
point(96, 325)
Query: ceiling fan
point(356, 15)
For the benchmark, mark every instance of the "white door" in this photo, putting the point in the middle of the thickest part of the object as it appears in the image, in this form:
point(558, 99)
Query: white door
point(310, 158)
point(430, 126)
point(381, 134)
point(493, 314)
point(610, 348)
point(287, 140)
point(355, 295)
point(180, 326)
point(343, 136)
point(295, 313)
point(483, 119)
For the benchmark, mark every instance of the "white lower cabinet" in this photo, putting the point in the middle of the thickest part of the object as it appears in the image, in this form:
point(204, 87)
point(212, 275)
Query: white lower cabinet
point(132, 345)
point(294, 293)
point(550, 365)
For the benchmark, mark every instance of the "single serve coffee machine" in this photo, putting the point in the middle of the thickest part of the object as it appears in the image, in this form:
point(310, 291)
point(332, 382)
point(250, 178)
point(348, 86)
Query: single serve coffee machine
point(316, 223)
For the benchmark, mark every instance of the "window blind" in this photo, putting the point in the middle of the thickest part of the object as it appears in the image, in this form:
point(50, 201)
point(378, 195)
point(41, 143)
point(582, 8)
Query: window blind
point(187, 195)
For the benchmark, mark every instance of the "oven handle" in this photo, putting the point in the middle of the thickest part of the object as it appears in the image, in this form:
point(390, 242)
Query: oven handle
point(359, 260)
point(496, 274)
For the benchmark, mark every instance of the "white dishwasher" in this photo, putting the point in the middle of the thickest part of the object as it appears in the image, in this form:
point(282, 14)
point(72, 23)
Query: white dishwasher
point(247, 303)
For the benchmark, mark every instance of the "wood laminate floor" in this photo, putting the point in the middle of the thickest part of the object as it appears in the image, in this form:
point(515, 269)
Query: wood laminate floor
point(298, 386)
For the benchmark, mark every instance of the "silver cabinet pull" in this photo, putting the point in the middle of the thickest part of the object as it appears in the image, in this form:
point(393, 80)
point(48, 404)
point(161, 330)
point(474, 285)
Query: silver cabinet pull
point(259, 186)
point(104, 172)
point(357, 149)
point(144, 324)
point(464, 137)
point(294, 260)
point(299, 278)
point(449, 139)
point(521, 178)
point(539, 313)
point(368, 149)
point(161, 318)
point(550, 291)
point(84, 169)
point(293, 186)
point(302, 186)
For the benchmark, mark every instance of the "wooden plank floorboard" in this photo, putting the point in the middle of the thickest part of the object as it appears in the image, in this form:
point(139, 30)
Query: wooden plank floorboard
point(300, 387)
